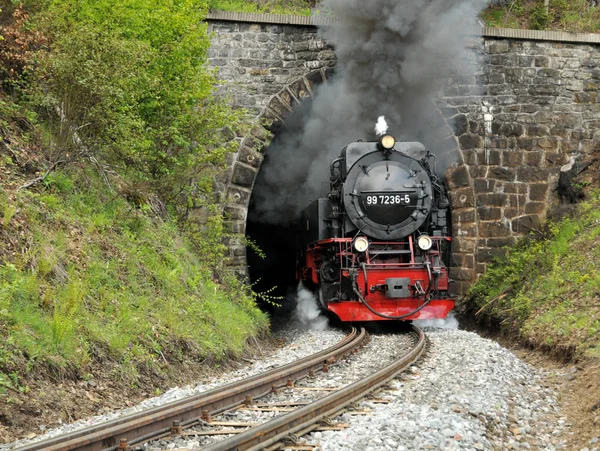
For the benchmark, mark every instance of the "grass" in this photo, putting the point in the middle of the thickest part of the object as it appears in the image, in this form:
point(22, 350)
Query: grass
point(547, 289)
point(564, 15)
point(294, 7)
point(89, 278)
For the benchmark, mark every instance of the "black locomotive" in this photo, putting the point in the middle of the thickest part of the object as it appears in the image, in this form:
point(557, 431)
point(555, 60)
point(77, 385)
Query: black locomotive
point(375, 244)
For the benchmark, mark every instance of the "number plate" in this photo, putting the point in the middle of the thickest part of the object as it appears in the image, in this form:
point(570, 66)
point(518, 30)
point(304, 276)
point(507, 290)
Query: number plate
point(374, 199)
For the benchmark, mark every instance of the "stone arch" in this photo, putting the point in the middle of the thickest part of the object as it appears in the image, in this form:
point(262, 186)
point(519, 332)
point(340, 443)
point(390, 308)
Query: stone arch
point(249, 158)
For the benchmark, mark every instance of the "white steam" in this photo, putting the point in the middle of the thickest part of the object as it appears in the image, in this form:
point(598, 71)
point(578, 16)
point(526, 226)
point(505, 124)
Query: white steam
point(450, 322)
point(381, 126)
point(307, 310)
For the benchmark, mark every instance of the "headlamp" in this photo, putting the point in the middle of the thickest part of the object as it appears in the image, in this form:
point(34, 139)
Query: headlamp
point(361, 244)
point(387, 142)
point(424, 242)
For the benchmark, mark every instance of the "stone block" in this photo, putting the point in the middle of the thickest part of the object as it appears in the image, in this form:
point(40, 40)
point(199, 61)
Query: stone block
point(530, 174)
point(462, 274)
point(489, 157)
point(457, 176)
point(513, 212)
point(237, 196)
point(243, 175)
point(538, 192)
point(499, 142)
point(484, 185)
point(549, 143)
point(585, 97)
point(512, 158)
point(542, 61)
point(459, 124)
point(501, 173)
point(511, 129)
point(235, 212)
point(470, 157)
point(469, 261)
point(517, 200)
point(462, 244)
point(535, 207)
point(470, 141)
point(533, 159)
point(497, 47)
point(235, 227)
point(481, 268)
point(466, 215)
point(462, 198)
point(250, 157)
point(464, 230)
point(515, 188)
point(487, 213)
point(477, 171)
point(271, 121)
point(525, 224)
point(489, 229)
point(491, 199)
point(539, 90)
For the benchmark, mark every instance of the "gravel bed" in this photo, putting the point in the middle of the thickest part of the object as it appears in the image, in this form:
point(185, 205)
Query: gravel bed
point(381, 350)
point(467, 393)
point(298, 343)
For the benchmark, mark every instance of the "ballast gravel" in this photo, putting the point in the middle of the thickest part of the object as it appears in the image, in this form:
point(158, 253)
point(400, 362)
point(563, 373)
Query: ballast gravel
point(466, 393)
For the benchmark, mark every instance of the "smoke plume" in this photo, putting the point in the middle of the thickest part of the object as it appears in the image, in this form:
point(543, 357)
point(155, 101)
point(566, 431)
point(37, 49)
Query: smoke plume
point(393, 58)
point(307, 310)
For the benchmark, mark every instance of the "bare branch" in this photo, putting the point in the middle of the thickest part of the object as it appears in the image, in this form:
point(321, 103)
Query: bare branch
point(40, 178)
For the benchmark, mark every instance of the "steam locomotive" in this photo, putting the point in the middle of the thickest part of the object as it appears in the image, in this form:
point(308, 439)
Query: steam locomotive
point(375, 246)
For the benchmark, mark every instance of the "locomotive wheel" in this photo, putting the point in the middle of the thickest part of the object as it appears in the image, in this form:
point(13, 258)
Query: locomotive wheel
point(329, 272)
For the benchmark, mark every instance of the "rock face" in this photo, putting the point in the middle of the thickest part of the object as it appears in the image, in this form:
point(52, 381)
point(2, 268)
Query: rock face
point(529, 109)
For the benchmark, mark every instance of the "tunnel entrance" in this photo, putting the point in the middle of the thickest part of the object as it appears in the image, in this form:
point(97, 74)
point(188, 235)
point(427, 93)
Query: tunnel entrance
point(271, 223)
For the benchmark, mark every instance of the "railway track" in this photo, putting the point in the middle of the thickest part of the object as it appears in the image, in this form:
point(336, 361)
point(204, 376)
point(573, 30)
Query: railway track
point(126, 432)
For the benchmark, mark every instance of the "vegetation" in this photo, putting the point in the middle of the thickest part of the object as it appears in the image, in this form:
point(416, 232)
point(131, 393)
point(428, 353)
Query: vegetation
point(547, 288)
point(564, 15)
point(296, 7)
point(112, 139)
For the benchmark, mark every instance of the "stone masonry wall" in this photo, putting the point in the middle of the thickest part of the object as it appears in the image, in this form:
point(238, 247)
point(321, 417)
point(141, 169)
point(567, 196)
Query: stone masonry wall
point(531, 107)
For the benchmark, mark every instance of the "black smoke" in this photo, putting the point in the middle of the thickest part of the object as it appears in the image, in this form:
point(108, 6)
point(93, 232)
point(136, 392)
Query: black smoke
point(393, 58)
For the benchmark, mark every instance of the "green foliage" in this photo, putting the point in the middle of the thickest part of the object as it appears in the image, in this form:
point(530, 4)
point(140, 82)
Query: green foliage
point(296, 7)
point(101, 279)
point(564, 15)
point(127, 84)
point(546, 288)
point(539, 18)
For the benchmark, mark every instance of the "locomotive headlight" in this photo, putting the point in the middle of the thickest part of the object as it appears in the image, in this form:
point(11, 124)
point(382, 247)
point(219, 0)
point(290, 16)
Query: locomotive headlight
point(424, 242)
point(387, 142)
point(361, 244)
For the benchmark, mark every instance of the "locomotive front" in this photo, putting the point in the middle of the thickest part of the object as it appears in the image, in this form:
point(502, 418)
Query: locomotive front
point(375, 246)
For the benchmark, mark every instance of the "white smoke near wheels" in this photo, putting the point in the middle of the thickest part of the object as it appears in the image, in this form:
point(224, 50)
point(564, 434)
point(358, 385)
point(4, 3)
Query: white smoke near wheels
point(307, 310)
point(393, 57)
point(450, 322)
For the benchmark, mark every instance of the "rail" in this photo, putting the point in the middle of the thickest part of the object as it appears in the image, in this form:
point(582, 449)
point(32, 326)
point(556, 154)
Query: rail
point(157, 422)
point(305, 419)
